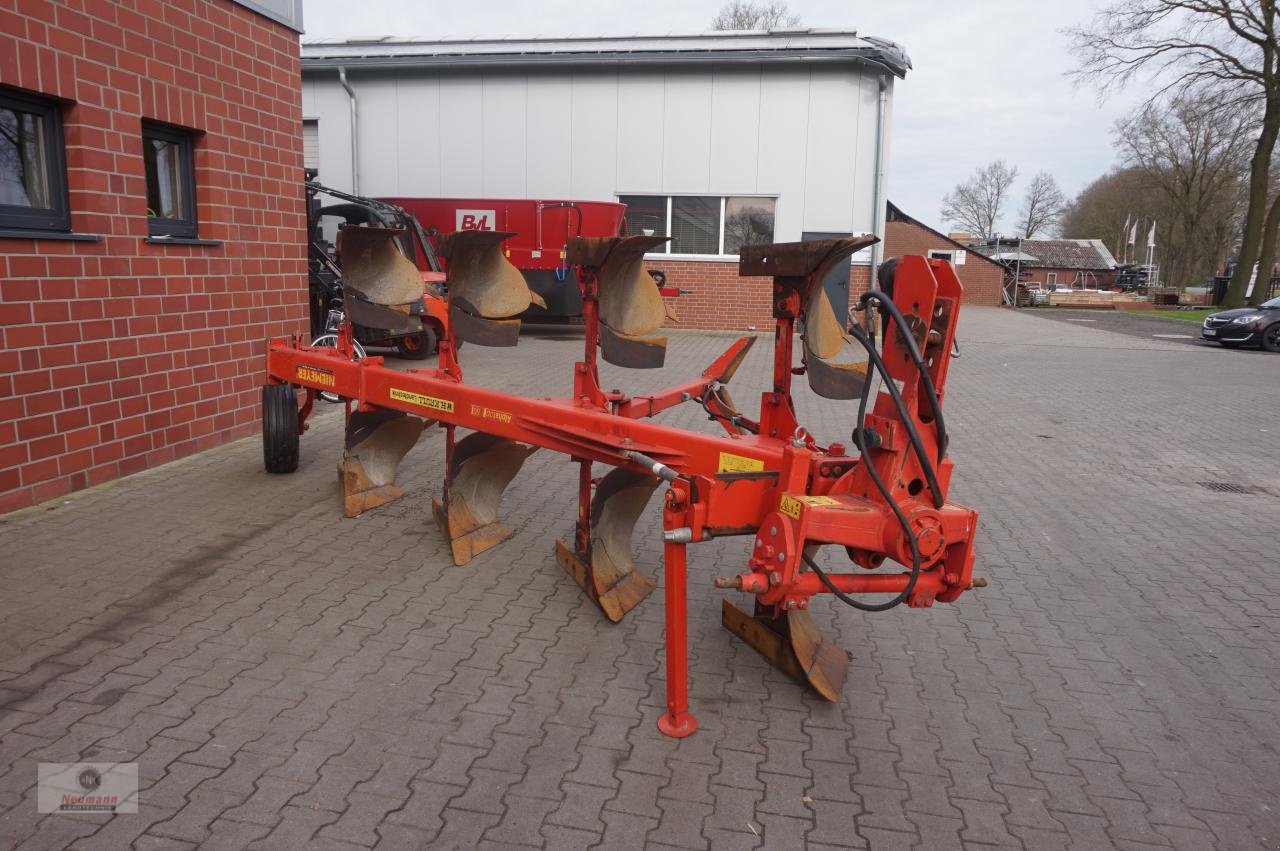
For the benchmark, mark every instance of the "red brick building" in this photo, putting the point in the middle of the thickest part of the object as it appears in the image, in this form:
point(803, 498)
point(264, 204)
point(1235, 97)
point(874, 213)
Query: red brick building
point(151, 230)
point(983, 279)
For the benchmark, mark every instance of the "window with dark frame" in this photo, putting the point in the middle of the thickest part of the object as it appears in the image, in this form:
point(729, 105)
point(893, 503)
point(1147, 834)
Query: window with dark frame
point(707, 225)
point(33, 170)
point(695, 225)
point(747, 221)
point(167, 154)
point(646, 214)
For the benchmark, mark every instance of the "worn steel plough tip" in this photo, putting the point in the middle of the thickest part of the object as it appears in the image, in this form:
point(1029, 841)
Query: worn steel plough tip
point(478, 473)
point(607, 571)
point(484, 287)
point(792, 642)
point(631, 306)
point(724, 371)
point(824, 340)
point(376, 442)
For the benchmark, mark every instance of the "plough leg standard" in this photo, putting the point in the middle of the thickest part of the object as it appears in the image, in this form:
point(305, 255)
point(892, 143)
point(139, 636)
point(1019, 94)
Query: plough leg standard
point(767, 478)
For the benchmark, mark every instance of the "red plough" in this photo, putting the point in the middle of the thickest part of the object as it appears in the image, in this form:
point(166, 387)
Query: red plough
point(883, 500)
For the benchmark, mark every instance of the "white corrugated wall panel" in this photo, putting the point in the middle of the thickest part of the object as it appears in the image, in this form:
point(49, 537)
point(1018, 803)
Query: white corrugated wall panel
point(686, 132)
point(640, 136)
point(418, 142)
point(549, 139)
point(834, 114)
point(379, 114)
point(784, 128)
point(807, 135)
point(328, 102)
point(735, 132)
point(594, 111)
point(864, 154)
point(462, 136)
point(506, 97)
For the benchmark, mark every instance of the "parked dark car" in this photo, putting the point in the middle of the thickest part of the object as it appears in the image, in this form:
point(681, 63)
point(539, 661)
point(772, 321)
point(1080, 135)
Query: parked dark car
point(1245, 326)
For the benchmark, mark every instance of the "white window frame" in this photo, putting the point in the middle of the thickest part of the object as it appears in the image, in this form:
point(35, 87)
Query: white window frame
point(1050, 278)
point(724, 200)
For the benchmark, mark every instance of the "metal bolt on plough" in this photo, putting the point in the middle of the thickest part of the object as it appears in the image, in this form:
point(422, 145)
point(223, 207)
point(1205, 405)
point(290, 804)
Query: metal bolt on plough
point(766, 477)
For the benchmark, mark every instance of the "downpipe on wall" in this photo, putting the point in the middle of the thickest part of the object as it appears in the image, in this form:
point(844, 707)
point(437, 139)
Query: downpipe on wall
point(355, 130)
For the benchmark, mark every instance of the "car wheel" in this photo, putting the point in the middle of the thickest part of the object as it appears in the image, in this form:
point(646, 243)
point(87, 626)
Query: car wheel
point(1271, 338)
point(1226, 344)
point(417, 346)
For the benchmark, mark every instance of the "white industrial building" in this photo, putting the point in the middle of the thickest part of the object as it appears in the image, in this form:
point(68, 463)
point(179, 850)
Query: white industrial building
point(693, 132)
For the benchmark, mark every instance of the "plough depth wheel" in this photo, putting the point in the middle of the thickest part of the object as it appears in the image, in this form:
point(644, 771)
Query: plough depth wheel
point(279, 428)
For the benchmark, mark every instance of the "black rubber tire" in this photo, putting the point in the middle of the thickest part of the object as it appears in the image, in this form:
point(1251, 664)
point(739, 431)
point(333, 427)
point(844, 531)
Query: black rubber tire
point(418, 347)
point(280, 437)
point(1228, 345)
point(1271, 338)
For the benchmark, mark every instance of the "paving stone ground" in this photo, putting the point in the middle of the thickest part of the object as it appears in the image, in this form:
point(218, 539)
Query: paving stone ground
point(1167, 328)
point(285, 677)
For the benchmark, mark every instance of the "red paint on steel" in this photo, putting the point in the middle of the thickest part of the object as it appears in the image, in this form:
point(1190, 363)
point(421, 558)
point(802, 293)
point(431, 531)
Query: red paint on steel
point(779, 485)
point(542, 228)
point(676, 722)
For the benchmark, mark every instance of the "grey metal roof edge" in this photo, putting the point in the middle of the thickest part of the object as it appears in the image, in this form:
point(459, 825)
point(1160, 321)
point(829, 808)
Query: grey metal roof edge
point(292, 19)
point(896, 63)
point(747, 46)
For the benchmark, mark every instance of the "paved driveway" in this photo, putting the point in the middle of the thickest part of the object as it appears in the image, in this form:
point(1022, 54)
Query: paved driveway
point(286, 677)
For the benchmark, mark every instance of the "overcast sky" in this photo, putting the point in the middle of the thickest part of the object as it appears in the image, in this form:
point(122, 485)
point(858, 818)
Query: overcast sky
point(988, 79)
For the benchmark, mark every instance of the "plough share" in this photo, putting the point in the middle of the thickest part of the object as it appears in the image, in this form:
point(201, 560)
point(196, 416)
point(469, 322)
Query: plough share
point(884, 498)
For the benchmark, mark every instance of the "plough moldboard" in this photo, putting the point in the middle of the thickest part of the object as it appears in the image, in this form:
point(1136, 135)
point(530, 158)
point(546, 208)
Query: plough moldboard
point(882, 498)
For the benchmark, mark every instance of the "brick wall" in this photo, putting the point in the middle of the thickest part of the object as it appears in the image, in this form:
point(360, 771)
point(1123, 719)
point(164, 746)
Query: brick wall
point(719, 299)
point(117, 355)
point(983, 279)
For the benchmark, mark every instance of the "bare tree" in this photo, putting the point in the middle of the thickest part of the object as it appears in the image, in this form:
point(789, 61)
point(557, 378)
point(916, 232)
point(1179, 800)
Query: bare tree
point(1195, 154)
point(977, 203)
point(1107, 208)
point(1270, 240)
point(1042, 207)
point(747, 15)
point(1267, 255)
point(1230, 46)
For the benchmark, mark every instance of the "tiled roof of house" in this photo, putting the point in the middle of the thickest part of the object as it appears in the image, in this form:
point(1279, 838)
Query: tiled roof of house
point(1056, 253)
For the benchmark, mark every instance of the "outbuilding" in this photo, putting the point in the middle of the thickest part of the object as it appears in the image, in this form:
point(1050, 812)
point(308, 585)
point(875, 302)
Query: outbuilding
point(715, 139)
point(1055, 264)
point(982, 278)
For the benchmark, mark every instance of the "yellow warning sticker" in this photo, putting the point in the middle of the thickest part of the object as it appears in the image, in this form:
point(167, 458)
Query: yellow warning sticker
point(790, 505)
point(424, 401)
point(316, 376)
point(730, 463)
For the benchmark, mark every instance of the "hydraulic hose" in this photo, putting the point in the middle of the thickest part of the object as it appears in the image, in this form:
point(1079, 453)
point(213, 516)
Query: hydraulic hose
point(863, 450)
point(913, 351)
point(917, 445)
